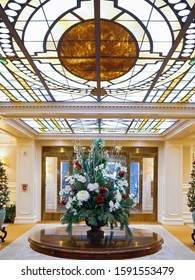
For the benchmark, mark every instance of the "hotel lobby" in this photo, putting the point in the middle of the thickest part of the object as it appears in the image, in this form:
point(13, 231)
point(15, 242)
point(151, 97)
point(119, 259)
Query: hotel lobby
point(118, 70)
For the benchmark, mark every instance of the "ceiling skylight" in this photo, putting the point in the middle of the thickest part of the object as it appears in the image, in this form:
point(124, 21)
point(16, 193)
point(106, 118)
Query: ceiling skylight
point(97, 51)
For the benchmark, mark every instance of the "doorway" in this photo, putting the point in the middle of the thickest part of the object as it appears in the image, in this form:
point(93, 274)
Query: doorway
point(143, 182)
point(141, 174)
point(56, 166)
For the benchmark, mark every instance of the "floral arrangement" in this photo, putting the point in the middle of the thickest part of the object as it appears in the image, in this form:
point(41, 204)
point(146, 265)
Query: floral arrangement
point(95, 192)
point(191, 190)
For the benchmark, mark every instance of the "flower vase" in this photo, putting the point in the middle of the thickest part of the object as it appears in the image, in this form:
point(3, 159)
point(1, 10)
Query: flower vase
point(193, 217)
point(95, 231)
point(2, 216)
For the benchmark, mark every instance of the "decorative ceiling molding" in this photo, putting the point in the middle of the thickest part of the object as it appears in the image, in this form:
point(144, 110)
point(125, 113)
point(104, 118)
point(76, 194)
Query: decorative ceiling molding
point(11, 128)
point(103, 110)
point(181, 130)
point(102, 136)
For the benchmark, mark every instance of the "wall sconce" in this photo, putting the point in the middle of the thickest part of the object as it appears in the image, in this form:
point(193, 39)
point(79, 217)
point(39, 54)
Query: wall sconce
point(24, 187)
point(2, 160)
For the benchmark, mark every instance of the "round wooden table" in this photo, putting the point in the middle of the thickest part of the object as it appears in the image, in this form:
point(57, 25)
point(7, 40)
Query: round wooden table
point(115, 244)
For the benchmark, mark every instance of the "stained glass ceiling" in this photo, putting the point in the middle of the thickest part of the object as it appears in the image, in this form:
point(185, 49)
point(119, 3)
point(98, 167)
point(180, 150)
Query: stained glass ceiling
point(96, 52)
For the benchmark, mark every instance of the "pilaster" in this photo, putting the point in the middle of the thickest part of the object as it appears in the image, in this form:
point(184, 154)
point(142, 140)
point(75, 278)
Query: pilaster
point(172, 185)
point(27, 195)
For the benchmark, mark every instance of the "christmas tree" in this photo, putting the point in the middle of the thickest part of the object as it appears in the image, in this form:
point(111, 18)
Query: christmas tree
point(4, 193)
point(191, 191)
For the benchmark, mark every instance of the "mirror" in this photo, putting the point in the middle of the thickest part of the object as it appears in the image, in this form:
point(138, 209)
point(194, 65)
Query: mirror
point(51, 170)
point(142, 183)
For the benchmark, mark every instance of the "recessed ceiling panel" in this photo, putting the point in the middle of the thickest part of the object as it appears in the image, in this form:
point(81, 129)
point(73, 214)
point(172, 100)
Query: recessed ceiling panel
point(101, 126)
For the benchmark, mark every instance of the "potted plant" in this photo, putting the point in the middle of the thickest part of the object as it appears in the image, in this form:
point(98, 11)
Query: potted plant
point(96, 193)
point(191, 193)
point(10, 213)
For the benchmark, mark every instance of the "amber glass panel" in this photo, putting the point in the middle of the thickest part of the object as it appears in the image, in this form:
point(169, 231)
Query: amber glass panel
point(118, 50)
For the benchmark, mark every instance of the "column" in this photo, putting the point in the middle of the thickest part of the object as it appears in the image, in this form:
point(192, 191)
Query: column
point(28, 197)
point(172, 185)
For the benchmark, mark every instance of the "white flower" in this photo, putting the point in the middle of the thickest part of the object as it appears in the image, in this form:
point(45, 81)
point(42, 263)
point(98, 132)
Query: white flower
point(60, 193)
point(93, 187)
point(99, 167)
point(122, 183)
point(123, 190)
point(105, 171)
point(131, 196)
point(80, 178)
point(123, 168)
point(82, 195)
point(118, 164)
point(74, 211)
point(125, 183)
point(111, 175)
point(80, 203)
point(111, 204)
point(102, 144)
point(117, 205)
point(114, 206)
point(70, 179)
point(118, 196)
point(67, 189)
point(68, 203)
point(106, 154)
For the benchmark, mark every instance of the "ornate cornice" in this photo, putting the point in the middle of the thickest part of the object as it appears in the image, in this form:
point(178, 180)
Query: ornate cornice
point(10, 114)
point(98, 110)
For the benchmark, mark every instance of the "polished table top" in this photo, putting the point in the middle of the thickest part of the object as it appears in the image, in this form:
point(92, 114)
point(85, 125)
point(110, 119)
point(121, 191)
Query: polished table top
point(115, 244)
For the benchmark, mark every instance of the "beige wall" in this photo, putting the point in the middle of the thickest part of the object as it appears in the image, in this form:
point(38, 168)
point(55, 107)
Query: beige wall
point(186, 164)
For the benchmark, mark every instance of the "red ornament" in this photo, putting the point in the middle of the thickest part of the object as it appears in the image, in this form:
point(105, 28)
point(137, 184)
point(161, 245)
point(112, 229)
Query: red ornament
point(121, 174)
point(100, 199)
point(102, 191)
point(124, 196)
point(63, 201)
point(78, 165)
